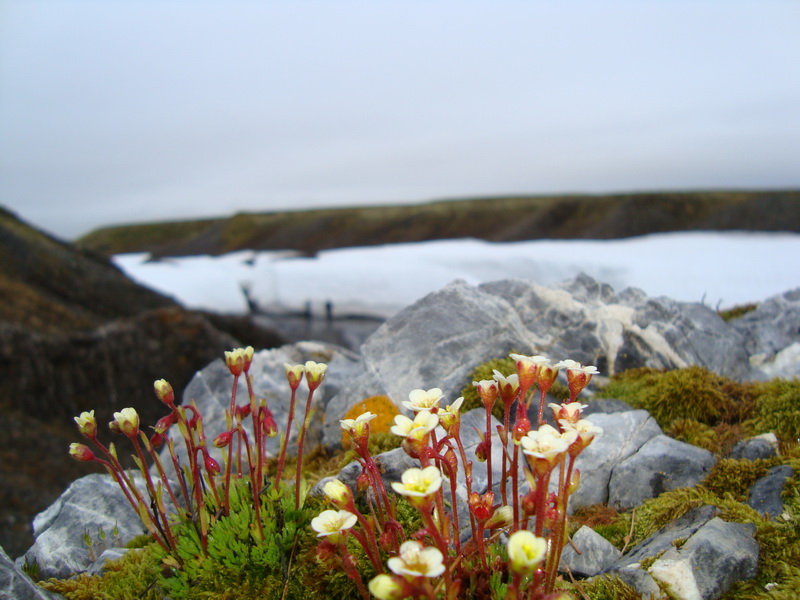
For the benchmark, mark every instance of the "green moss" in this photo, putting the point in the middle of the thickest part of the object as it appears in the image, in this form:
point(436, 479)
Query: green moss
point(737, 311)
point(695, 433)
point(777, 409)
point(132, 576)
point(607, 587)
point(691, 393)
point(733, 478)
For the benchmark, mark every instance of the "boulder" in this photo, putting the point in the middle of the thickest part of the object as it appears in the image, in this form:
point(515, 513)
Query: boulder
point(624, 434)
point(710, 562)
point(660, 465)
point(16, 585)
point(760, 446)
point(765, 493)
point(771, 335)
point(92, 506)
point(596, 553)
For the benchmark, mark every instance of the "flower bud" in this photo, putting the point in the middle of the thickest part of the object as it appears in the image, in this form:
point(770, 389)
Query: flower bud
point(212, 466)
point(87, 424)
point(164, 423)
point(487, 390)
point(315, 373)
point(528, 504)
point(521, 428)
point(128, 422)
point(164, 392)
point(223, 439)
point(388, 587)
point(268, 424)
point(242, 412)
point(156, 440)
point(525, 551)
point(482, 450)
point(235, 360)
point(294, 374)
point(481, 506)
point(362, 482)
point(338, 493)
point(80, 452)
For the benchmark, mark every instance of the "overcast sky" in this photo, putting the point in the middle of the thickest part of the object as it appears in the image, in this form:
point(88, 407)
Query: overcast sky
point(127, 111)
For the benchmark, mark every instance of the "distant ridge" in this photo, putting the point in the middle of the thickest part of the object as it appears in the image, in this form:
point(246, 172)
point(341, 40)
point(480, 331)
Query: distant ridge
point(501, 219)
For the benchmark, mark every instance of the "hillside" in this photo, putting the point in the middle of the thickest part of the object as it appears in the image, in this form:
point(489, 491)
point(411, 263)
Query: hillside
point(493, 219)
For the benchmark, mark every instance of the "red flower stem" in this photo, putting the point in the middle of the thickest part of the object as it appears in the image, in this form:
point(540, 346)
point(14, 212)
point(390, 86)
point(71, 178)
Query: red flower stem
point(373, 557)
point(300, 442)
point(504, 476)
point(557, 537)
point(254, 484)
point(540, 413)
point(352, 572)
point(180, 475)
point(285, 443)
point(542, 482)
point(515, 487)
point(467, 476)
point(489, 453)
point(439, 541)
point(161, 473)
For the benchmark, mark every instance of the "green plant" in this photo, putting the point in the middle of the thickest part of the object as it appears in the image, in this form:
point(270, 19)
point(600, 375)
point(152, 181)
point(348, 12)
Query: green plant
point(777, 409)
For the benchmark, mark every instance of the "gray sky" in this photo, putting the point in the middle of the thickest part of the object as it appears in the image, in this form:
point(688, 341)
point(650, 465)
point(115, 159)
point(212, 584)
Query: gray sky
point(127, 111)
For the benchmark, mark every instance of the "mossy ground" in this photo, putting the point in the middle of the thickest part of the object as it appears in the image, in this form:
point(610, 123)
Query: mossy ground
point(701, 406)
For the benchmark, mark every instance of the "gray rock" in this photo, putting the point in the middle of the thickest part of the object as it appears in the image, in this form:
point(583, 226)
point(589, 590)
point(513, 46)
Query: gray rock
point(89, 504)
point(624, 434)
point(710, 562)
point(772, 336)
point(640, 580)
point(760, 446)
point(604, 406)
point(765, 493)
point(660, 465)
point(585, 320)
point(597, 553)
point(16, 585)
point(662, 540)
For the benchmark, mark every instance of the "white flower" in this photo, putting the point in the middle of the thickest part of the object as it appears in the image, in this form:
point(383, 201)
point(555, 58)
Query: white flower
point(331, 522)
point(451, 414)
point(571, 365)
point(423, 423)
point(585, 429)
point(315, 372)
point(547, 443)
point(419, 483)
point(525, 551)
point(357, 427)
point(423, 400)
point(128, 421)
point(385, 587)
point(417, 561)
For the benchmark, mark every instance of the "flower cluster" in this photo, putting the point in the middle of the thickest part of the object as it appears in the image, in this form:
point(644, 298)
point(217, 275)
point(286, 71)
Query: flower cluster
point(203, 494)
point(421, 563)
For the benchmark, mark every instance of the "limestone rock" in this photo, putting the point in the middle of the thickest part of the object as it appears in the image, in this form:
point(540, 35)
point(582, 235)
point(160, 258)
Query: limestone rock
point(597, 553)
point(16, 585)
point(90, 504)
point(710, 562)
point(660, 465)
point(662, 540)
point(760, 446)
point(765, 493)
point(624, 434)
point(771, 334)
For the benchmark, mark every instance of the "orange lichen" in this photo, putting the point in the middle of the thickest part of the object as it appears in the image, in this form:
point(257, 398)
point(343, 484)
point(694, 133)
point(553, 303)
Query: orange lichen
point(382, 406)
